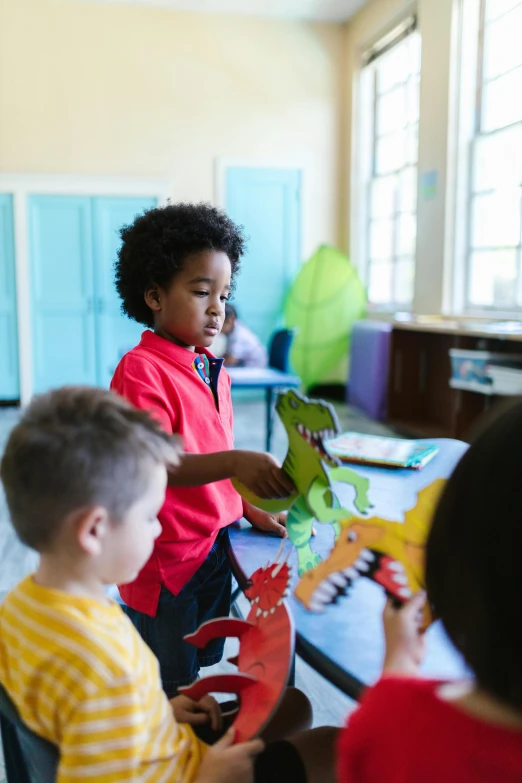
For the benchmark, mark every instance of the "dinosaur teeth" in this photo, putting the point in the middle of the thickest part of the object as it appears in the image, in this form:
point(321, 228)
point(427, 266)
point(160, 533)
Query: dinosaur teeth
point(259, 612)
point(362, 565)
point(396, 566)
point(316, 606)
point(337, 579)
point(256, 600)
point(404, 592)
point(280, 602)
point(351, 573)
point(368, 555)
point(400, 579)
point(272, 610)
point(325, 591)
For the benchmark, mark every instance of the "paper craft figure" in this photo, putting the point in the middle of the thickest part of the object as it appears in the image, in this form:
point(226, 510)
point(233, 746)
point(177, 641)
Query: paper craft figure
point(308, 423)
point(390, 553)
point(266, 651)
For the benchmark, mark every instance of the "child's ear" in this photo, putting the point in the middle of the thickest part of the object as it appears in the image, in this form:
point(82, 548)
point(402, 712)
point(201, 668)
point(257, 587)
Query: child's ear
point(91, 528)
point(153, 298)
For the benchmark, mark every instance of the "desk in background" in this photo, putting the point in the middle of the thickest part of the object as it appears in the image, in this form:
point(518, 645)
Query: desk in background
point(420, 401)
point(263, 378)
point(346, 643)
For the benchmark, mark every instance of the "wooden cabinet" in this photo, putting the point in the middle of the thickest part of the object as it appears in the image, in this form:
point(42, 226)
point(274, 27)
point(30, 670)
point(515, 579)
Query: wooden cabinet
point(420, 400)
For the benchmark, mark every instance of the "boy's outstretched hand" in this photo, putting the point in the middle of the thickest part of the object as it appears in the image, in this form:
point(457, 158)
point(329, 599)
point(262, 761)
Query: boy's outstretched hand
point(262, 474)
point(197, 713)
point(263, 520)
point(228, 763)
point(405, 642)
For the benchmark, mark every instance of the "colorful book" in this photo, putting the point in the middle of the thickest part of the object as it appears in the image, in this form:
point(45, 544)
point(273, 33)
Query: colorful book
point(374, 450)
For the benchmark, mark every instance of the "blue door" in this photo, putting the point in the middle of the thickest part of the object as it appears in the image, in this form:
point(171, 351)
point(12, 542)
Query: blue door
point(60, 262)
point(9, 381)
point(115, 333)
point(267, 203)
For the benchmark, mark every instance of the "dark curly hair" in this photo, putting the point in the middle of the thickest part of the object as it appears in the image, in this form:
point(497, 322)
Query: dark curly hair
point(157, 244)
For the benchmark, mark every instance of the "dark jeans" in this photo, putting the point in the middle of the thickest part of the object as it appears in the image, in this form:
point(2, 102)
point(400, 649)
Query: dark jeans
point(205, 597)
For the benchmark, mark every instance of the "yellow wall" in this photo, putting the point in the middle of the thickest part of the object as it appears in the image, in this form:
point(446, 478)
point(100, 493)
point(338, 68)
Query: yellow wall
point(88, 88)
point(438, 27)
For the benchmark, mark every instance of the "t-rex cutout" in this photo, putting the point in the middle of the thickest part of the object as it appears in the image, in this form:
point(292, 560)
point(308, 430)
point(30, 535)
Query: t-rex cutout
point(266, 651)
point(308, 423)
point(390, 553)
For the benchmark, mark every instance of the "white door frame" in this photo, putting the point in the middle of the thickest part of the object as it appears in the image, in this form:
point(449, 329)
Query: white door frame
point(20, 186)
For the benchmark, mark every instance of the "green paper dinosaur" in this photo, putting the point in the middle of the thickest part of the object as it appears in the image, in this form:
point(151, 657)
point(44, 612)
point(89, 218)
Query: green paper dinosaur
point(308, 423)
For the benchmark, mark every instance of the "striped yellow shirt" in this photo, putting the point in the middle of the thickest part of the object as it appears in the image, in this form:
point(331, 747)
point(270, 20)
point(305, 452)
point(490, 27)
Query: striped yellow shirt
point(82, 678)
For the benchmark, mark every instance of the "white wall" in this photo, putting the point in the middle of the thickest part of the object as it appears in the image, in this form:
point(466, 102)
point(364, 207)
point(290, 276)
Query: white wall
point(127, 90)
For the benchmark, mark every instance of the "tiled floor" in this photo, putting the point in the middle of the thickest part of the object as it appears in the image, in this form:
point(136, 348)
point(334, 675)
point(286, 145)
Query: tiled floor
point(330, 706)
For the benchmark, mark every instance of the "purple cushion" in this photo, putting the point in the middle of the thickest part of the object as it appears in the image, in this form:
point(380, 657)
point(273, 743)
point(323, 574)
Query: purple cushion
point(369, 361)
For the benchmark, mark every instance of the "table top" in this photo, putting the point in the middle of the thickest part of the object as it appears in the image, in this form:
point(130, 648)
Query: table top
point(350, 633)
point(261, 378)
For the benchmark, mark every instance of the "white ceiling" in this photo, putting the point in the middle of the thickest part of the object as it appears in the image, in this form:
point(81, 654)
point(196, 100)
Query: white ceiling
point(319, 10)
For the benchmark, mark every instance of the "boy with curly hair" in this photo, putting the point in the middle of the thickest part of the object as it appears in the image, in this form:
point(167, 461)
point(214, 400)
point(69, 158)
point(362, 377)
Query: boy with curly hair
point(175, 271)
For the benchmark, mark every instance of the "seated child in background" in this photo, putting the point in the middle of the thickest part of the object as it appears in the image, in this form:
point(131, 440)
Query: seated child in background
point(85, 476)
point(243, 347)
point(410, 729)
point(174, 274)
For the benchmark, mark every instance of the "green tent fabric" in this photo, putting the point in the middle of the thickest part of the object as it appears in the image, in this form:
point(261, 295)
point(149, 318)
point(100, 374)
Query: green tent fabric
point(325, 300)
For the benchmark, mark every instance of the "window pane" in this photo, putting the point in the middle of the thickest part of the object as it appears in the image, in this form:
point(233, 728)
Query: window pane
point(383, 197)
point(407, 235)
point(502, 101)
point(380, 288)
point(412, 144)
point(391, 111)
point(498, 159)
point(381, 239)
point(413, 91)
point(496, 219)
point(493, 279)
point(408, 190)
point(495, 8)
point(391, 152)
point(415, 53)
point(393, 67)
point(503, 51)
point(403, 283)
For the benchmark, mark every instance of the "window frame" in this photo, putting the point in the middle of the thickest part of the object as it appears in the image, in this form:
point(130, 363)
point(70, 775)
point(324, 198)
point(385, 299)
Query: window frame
point(470, 132)
point(366, 167)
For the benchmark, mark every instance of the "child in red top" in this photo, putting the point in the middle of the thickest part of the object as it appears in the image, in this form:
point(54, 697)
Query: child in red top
point(174, 273)
point(411, 730)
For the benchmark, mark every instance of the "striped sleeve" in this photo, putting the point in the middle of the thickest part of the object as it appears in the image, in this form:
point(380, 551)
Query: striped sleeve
point(104, 737)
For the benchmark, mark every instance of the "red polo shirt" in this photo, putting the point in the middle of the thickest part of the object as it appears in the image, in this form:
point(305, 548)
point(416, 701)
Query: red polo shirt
point(168, 381)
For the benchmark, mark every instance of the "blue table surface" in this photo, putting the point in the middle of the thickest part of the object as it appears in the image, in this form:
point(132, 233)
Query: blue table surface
point(261, 377)
point(350, 633)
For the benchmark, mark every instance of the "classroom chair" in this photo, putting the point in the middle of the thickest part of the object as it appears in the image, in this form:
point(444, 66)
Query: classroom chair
point(28, 757)
point(279, 350)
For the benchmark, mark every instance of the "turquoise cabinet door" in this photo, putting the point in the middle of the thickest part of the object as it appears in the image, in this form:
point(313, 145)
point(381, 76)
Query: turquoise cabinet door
point(9, 381)
point(115, 333)
point(267, 203)
point(62, 293)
